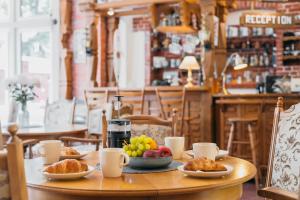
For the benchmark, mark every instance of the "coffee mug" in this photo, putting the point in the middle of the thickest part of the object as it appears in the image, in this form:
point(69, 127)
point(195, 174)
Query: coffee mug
point(176, 144)
point(208, 150)
point(112, 161)
point(50, 151)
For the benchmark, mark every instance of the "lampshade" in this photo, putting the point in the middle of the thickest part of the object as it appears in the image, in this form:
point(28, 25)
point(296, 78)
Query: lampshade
point(238, 63)
point(189, 62)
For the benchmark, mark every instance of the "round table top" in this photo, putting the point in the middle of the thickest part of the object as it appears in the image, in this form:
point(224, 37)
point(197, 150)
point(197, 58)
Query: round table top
point(49, 130)
point(152, 184)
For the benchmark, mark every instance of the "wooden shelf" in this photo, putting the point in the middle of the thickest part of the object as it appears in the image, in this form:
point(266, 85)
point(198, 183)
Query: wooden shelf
point(291, 38)
point(291, 57)
point(246, 51)
point(241, 85)
point(176, 29)
point(166, 68)
point(252, 39)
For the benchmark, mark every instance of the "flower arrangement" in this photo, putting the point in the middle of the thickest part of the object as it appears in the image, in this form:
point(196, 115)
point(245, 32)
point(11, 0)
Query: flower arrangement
point(21, 89)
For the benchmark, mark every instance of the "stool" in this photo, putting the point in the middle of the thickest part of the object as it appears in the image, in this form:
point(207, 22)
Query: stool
point(252, 142)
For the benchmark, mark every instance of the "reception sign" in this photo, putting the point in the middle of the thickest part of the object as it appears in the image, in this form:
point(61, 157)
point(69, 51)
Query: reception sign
point(263, 19)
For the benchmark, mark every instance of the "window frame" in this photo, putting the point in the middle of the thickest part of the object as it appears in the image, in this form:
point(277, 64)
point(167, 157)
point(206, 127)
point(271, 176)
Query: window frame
point(15, 24)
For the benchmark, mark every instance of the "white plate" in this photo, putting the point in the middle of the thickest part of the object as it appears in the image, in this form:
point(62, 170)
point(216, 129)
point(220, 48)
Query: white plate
point(207, 174)
point(221, 154)
point(69, 176)
point(73, 156)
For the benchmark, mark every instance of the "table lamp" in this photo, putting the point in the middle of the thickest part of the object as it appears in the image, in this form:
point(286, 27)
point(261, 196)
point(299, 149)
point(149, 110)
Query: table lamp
point(236, 62)
point(189, 63)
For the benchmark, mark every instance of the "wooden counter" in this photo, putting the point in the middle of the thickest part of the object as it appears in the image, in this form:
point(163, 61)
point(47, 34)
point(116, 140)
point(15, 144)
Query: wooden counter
point(198, 102)
point(259, 105)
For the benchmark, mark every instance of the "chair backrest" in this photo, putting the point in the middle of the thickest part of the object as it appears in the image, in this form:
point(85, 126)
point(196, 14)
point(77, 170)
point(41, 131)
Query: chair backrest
point(170, 99)
point(95, 98)
point(80, 112)
point(154, 127)
point(125, 110)
point(134, 98)
point(59, 113)
point(284, 160)
point(12, 173)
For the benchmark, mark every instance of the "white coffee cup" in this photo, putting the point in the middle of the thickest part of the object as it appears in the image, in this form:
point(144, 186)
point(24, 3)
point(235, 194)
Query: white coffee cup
point(112, 161)
point(208, 150)
point(50, 150)
point(176, 144)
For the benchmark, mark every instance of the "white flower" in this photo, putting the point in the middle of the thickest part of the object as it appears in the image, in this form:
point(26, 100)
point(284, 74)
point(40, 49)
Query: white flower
point(22, 80)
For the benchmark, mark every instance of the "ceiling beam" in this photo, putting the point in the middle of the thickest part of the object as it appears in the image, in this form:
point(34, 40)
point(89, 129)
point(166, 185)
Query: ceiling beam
point(127, 3)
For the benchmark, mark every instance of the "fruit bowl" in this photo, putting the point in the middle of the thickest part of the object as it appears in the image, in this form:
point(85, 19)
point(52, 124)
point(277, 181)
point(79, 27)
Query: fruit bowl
point(149, 163)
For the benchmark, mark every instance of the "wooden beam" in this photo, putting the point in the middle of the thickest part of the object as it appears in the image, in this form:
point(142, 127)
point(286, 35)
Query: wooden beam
point(127, 12)
point(128, 3)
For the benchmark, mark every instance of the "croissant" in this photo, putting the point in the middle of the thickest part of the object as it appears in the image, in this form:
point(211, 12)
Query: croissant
point(203, 164)
point(68, 151)
point(66, 166)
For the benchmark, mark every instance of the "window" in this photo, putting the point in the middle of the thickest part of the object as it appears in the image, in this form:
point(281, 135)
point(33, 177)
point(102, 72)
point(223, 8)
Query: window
point(29, 44)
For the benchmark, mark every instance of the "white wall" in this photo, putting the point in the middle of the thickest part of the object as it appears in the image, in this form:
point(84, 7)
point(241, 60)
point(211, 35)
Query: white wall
point(132, 51)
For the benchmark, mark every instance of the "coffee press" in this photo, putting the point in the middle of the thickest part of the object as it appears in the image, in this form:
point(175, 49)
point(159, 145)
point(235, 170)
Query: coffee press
point(119, 130)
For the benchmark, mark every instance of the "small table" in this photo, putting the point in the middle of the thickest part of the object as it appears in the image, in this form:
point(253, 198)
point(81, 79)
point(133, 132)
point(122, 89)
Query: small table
point(46, 133)
point(165, 185)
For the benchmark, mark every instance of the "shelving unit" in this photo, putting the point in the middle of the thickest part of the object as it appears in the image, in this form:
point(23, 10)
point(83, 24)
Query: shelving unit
point(252, 48)
point(291, 49)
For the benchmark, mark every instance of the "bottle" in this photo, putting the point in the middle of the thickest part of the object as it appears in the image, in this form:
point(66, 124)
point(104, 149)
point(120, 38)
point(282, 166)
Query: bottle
point(215, 86)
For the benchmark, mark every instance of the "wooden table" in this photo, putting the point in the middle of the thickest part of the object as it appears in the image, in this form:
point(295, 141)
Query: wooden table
point(46, 133)
point(166, 185)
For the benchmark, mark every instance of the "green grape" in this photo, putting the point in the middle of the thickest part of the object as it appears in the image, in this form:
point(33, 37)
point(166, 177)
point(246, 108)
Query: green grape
point(134, 154)
point(147, 146)
point(133, 140)
point(140, 140)
point(129, 153)
point(126, 148)
point(148, 140)
point(139, 152)
point(141, 147)
point(133, 147)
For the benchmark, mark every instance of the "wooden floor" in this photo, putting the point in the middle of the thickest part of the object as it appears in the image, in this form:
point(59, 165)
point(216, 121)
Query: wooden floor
point(250, 192)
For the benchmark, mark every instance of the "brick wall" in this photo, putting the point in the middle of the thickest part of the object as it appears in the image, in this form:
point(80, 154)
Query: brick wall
point(292, 70)
point(292, 8)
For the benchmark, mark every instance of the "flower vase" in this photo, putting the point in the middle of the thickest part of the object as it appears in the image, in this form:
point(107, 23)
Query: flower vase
point(23, 116)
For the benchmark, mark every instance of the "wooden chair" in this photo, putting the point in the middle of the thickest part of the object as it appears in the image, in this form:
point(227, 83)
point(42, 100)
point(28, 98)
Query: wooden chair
point(26, 144)
point(134, 98)
point(283, 178)
point(233, 140)
point(95, 98)
point(154, 127)
point(59, 113)
point(125, 110)
point(175, 98)
point(69, 141)
point(12, 173)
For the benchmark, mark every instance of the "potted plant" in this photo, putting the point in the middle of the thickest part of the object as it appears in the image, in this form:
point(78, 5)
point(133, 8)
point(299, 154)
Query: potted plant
point(21, 90)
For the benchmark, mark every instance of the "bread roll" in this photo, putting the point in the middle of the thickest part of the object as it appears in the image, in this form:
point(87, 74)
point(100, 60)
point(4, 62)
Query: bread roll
point(66, 166)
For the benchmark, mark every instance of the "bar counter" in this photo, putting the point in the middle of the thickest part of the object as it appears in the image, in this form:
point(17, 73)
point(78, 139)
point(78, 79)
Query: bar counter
point(248, 105)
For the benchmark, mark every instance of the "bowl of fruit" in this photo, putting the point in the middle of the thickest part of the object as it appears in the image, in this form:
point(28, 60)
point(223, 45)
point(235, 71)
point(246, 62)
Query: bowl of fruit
point(145, 154)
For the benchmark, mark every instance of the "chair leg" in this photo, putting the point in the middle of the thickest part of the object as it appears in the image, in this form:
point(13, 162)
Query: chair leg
point(230, 138)
point(30, 151)
point(253, 152)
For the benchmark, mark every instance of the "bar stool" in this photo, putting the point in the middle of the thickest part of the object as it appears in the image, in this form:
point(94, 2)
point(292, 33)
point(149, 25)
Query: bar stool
point(249, 121)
